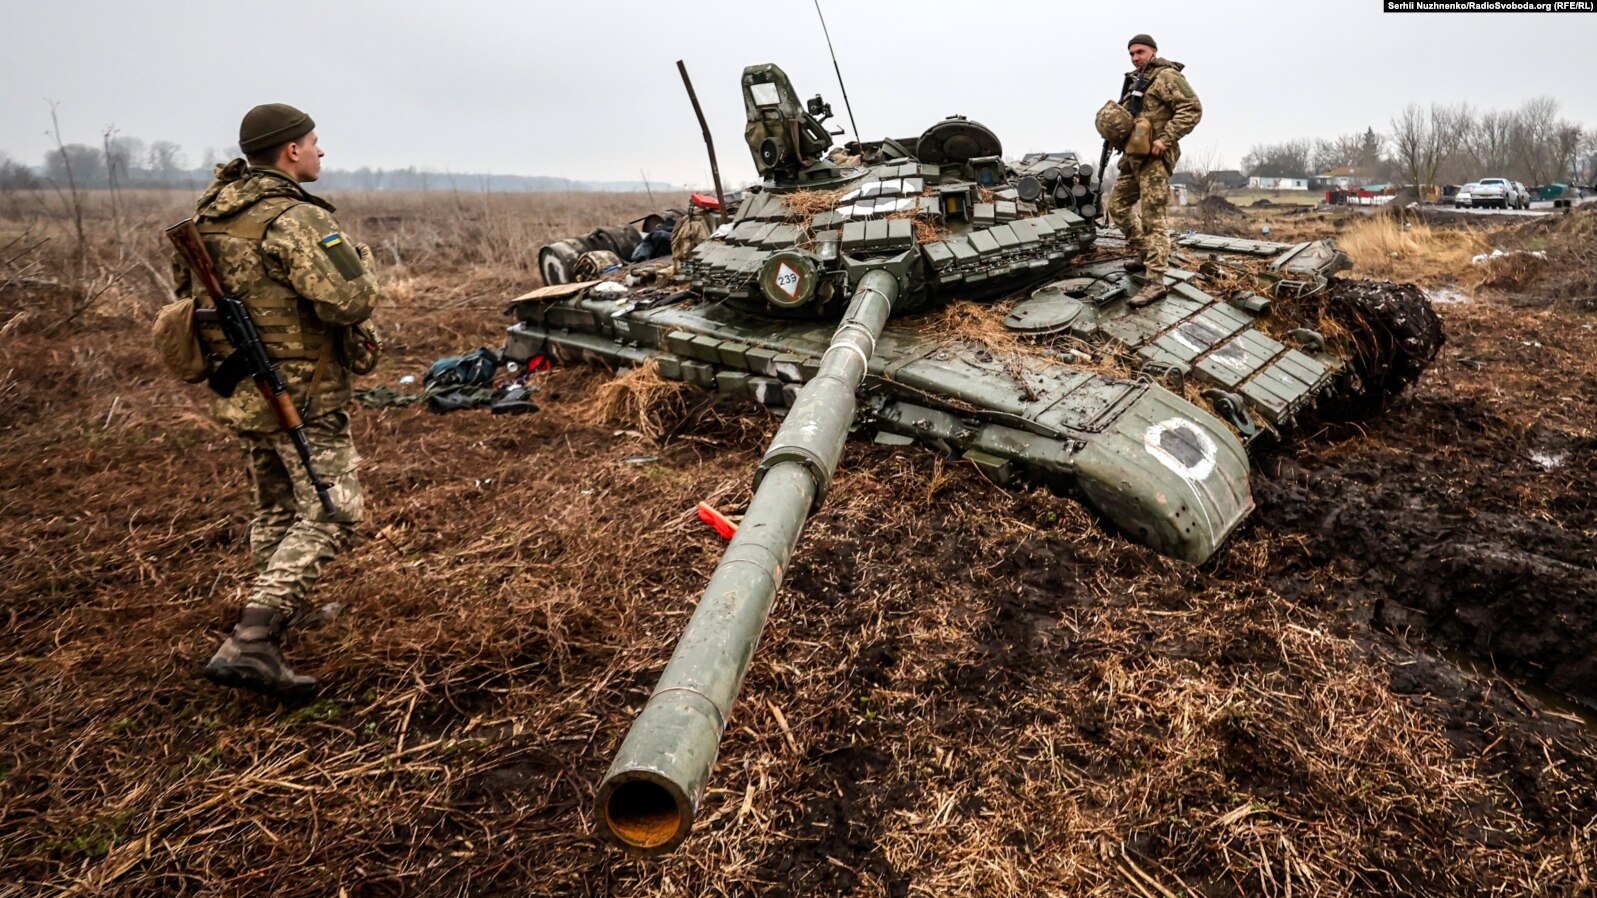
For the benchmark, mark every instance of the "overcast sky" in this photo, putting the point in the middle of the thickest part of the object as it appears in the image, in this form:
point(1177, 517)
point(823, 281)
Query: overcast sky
point(589, 90)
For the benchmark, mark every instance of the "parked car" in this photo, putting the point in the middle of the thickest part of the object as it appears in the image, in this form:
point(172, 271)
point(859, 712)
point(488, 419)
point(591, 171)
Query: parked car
point(1463, 196)
point(1500, 192)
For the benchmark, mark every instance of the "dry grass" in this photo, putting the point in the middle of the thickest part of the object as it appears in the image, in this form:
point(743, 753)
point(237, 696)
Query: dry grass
point(804, 204)
point(638, 398)
point(1567, 269)
point(962, 690)
point(1389, 247)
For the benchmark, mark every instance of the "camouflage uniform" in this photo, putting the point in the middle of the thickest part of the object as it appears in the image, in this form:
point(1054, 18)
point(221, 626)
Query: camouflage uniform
point(1172, 110)
point(279, 249)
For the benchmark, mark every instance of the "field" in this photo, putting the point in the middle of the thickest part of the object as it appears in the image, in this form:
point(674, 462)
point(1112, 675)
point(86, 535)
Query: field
point(962, 691)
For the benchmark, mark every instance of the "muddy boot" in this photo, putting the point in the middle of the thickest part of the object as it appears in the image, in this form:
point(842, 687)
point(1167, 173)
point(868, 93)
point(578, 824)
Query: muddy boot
point(1135, 266)
point(251, 659)
point(1150, 293)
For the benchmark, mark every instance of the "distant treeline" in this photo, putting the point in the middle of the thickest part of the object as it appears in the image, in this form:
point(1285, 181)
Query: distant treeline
point(128, 162)
point(1440, 144)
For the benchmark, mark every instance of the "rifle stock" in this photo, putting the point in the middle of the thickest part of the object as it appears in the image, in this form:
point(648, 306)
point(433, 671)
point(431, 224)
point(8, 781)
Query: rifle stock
point(191, 246)
point(241, 334)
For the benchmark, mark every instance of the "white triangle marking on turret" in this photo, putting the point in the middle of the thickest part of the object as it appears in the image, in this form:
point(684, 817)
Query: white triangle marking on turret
point(787, 280)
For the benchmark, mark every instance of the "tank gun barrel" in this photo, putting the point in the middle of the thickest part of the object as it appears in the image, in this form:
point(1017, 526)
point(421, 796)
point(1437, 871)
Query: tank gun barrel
point(648, 799)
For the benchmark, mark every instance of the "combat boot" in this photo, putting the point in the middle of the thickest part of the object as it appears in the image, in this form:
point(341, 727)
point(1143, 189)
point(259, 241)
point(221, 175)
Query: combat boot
point(252, 659)
point(1135, 266)
point(1151, 292)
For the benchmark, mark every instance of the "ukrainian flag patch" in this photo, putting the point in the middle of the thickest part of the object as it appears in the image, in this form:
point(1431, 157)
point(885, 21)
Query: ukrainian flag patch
point(343, 256)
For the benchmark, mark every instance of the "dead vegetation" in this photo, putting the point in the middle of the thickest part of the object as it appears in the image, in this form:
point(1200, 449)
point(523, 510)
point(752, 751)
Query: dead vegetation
point(963, 690)
point(640, 399)
point(1391, 247)
point(805, 204)
point(1552, 258)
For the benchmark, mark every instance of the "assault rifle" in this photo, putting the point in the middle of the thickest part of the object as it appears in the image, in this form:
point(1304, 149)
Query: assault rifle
point(249, 356)
point(1132, 91)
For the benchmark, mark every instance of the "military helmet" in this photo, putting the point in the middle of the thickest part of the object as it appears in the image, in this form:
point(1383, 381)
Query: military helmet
point(270, 125)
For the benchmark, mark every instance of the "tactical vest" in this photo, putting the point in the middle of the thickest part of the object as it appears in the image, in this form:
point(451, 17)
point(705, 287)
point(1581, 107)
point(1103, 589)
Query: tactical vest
point(287, 322)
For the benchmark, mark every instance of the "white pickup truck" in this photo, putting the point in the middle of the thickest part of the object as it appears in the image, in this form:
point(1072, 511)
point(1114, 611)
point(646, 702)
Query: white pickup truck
point(1499, 192)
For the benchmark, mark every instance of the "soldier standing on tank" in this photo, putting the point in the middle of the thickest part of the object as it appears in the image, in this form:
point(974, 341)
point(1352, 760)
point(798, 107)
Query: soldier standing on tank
point(279, 249)
point(1172, 110)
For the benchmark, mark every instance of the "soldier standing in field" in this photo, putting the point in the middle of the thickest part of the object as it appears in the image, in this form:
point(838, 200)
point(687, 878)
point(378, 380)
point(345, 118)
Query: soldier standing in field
point(1171, 110)
point(308, 288)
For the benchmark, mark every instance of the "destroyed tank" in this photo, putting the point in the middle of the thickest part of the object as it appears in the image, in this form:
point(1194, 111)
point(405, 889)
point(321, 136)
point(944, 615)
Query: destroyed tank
point(806, 303)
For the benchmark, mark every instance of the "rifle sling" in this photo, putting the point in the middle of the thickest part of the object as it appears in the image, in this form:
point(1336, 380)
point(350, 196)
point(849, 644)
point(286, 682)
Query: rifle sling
point(1136, 92)
point(316, 376)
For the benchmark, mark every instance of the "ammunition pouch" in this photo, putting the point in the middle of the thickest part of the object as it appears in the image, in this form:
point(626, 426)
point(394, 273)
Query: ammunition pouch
point(1114, 124)
point(178, 341)
point(1140, 142)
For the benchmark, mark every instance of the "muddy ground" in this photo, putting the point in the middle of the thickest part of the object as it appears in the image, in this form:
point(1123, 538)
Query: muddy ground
point(962, 691)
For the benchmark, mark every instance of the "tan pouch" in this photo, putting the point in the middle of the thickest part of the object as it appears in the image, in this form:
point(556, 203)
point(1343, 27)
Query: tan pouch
point(1140, 143)
point(1114, 123)
point(359, 348)
point(178, 341)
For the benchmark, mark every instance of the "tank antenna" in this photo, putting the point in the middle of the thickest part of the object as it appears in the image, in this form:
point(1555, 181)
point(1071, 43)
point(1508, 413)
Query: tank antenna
point(709, 144)
point(839, 71)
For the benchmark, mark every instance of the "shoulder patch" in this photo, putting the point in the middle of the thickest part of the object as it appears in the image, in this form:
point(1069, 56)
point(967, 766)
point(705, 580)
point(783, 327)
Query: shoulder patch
point(343, 256)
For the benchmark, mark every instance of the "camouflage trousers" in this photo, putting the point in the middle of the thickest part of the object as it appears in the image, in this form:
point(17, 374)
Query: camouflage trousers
point(291, 536)
point(1144, 182)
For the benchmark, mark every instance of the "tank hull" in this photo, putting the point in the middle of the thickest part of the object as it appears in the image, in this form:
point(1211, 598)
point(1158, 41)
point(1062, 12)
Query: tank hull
point(1157, 468)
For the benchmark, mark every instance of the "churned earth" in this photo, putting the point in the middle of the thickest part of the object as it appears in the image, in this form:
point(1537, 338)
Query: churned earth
point(1375, 689)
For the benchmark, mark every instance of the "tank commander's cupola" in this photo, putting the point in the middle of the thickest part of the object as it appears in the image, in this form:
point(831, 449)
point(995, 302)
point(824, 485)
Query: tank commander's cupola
point(788, 140)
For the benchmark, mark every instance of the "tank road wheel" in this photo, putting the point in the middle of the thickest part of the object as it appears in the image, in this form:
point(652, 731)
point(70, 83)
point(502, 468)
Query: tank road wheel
point(1395, 335)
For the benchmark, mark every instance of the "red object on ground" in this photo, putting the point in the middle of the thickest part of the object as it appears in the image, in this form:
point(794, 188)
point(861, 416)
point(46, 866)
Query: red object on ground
point(704, 201)
point(717, 520)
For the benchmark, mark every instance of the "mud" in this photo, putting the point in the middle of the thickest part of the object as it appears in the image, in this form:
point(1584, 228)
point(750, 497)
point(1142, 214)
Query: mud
point(1435, 543)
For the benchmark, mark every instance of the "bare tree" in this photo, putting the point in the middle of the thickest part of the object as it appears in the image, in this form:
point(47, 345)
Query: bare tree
point(1204, 167)
point(124, 156)
point(65, 158)
point(166, 161)
point(1424, 139)
point(1279, 160)
point(1489, 143)
point(16, 176)
point(1346, 151)
point(1545, 146)
point(1586, 164)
